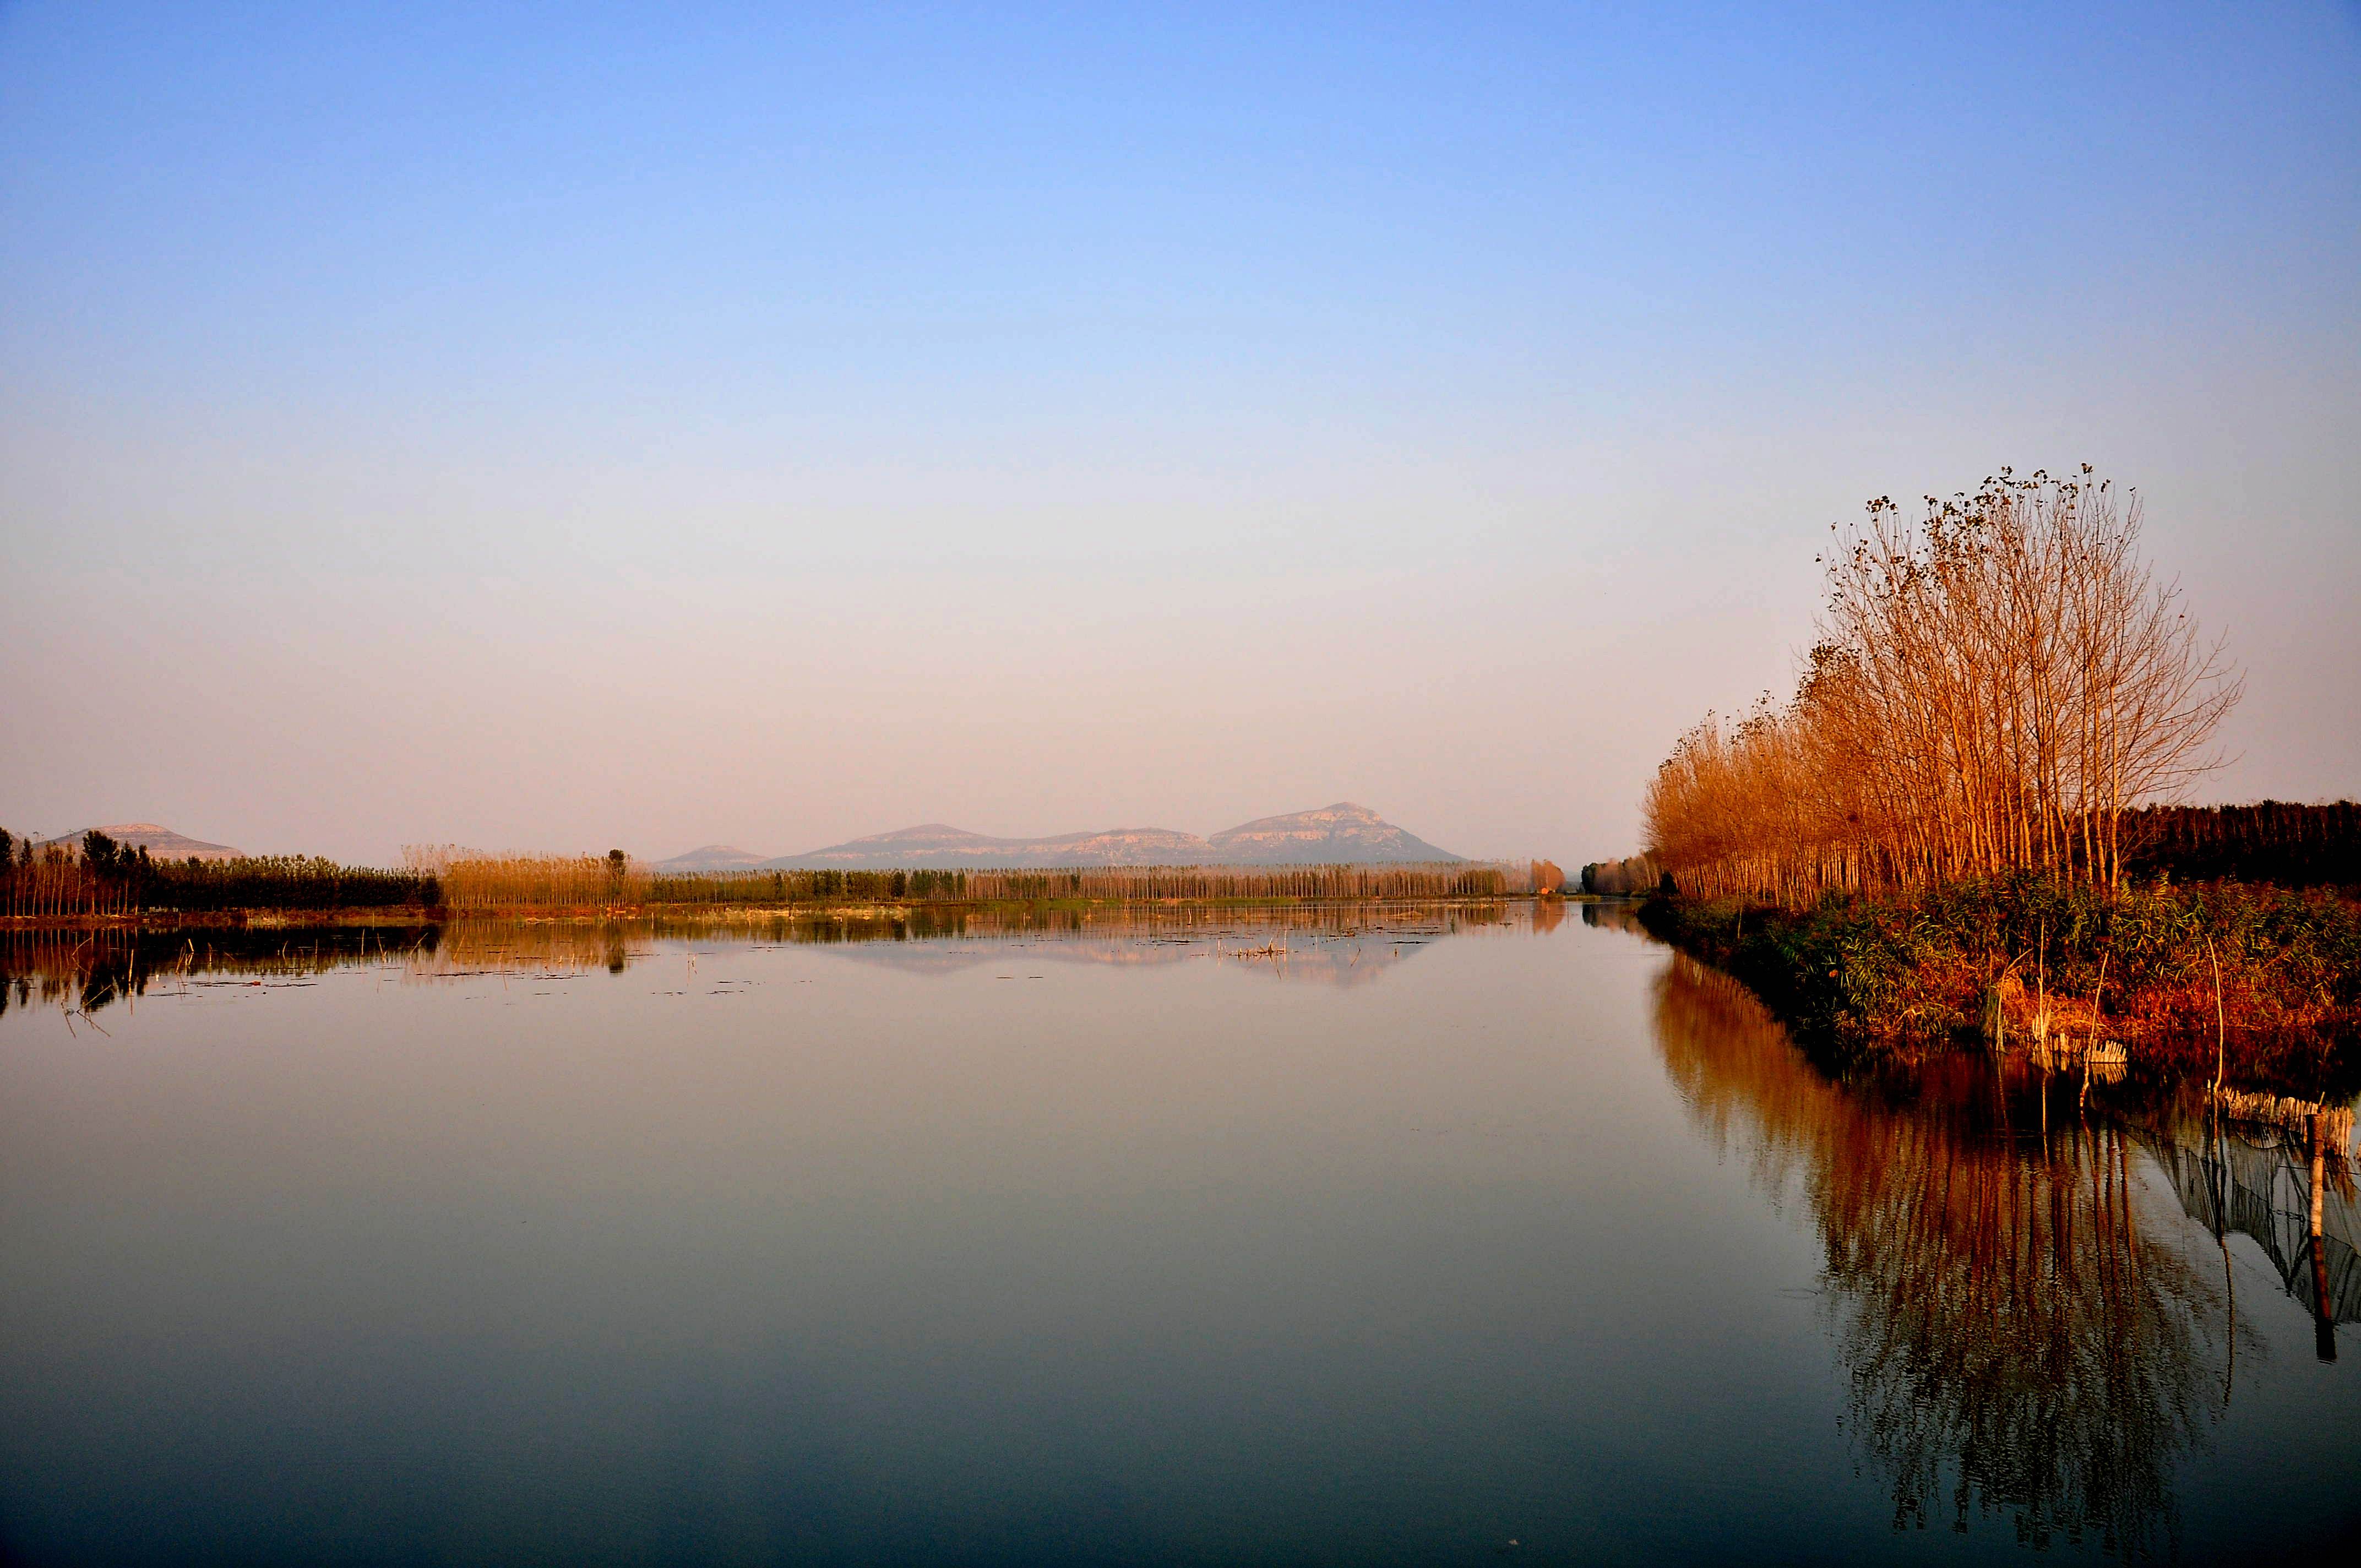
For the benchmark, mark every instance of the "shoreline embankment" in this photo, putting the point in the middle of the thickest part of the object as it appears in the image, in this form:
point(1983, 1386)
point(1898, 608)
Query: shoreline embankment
point(2253, 983)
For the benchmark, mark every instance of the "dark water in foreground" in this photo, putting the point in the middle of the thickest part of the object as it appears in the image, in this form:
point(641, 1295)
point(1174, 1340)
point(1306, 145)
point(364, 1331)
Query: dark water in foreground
point(1105, 1245)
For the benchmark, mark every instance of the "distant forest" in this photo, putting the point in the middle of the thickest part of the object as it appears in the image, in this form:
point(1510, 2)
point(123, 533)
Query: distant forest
point(101, 877)
point(2275, 841)
point(2293, 846)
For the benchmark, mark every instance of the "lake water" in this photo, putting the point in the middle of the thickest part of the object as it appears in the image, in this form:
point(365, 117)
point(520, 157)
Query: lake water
point(1493, 1235)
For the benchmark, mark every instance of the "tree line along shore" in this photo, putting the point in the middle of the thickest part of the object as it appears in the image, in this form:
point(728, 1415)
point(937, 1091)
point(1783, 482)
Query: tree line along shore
point(1958, 825)
point(101, 881)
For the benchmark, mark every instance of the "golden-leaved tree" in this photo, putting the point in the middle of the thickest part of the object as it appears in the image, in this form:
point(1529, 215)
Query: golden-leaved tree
point(1994, 685)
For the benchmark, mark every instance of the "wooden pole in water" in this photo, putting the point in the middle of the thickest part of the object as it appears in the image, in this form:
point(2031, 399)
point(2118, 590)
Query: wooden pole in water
point(2217, 1167)
point(2221, 1020)
point(2092, 1043)
point(2323, 1312)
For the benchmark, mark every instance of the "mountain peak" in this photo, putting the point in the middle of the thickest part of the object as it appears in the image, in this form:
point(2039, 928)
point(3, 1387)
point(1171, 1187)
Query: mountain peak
point(1340, 833)
point(713, 857)
point(161, 842)
point(1343, 833)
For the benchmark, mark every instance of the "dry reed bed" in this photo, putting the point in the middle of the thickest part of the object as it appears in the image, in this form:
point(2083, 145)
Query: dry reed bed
point(2334, 1124)
point(472, 883)
point(56, 886)
point(490, 883)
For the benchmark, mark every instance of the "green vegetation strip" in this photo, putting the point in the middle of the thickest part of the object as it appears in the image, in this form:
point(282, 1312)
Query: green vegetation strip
point(1981, 961)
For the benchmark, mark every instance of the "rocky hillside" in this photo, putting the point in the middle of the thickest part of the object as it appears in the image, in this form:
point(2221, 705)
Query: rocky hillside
point(1339, 834)
point(160, 841)
point(936, 845)
point(713, 857)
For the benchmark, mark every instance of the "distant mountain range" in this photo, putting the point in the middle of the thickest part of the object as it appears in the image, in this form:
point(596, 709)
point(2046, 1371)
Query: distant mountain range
point(158, 841)
point(1339, 834)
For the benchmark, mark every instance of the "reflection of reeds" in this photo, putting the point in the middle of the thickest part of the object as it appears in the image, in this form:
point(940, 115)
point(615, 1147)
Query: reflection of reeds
point(1141, 922)
point(2014, 1341)
point(534, 947)
point(84, 971)
point(1274, 948)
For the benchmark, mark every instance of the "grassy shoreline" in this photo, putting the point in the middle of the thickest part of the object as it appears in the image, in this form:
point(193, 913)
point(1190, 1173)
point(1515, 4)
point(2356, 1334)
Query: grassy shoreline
point(1985, 962)
point(102, 885)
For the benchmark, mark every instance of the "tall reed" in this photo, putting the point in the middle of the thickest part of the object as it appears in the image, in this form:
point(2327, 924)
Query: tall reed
point(1101, 884)
point(473, 882)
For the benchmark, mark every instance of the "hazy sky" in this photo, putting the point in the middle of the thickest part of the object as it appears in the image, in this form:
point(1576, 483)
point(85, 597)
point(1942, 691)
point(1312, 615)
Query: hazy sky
point(570, 427)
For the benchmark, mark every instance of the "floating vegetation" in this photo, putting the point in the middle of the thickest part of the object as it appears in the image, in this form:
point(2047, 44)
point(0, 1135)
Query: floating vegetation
point(1275, 948)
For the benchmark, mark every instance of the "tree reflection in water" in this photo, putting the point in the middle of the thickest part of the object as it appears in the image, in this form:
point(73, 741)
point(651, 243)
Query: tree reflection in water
point(2014, 1343)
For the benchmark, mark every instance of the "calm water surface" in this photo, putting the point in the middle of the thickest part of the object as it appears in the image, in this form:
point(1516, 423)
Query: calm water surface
point(1427, 1236)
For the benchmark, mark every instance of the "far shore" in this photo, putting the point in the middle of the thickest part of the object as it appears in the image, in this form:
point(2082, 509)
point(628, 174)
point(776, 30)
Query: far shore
point(414, 916)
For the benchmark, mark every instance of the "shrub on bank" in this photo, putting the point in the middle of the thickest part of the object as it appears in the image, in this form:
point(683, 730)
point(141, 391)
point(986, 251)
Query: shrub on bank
point(1968, 958)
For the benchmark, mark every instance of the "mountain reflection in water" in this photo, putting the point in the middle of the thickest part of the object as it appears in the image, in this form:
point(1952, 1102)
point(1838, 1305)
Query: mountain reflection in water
point(2015, 1339)
point(81, 973)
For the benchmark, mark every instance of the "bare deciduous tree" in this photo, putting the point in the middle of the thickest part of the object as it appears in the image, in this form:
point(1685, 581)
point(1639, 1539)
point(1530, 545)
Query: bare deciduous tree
point(1994, 685)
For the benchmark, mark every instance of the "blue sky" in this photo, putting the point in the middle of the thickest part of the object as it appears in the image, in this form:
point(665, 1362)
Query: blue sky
point(1044, 420)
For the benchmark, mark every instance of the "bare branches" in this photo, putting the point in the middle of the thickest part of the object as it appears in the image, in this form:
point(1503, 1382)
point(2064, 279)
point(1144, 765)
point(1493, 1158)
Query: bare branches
point(1992, 688)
